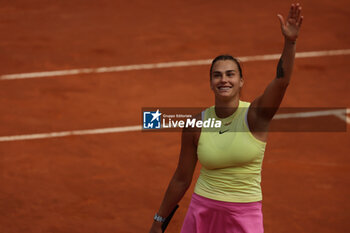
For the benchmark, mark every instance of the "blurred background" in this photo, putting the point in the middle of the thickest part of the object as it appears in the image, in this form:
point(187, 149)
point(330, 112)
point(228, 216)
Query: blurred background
point(114, 182)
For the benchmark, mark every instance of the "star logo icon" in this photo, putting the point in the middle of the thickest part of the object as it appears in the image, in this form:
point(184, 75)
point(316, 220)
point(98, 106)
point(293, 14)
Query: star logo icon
point(156, 115)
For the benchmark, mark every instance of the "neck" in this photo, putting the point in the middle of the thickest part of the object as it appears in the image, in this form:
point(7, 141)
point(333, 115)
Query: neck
point(225, 108)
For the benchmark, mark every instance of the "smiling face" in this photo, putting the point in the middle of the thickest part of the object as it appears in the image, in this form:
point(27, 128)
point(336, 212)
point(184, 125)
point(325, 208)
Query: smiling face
point(225, 79)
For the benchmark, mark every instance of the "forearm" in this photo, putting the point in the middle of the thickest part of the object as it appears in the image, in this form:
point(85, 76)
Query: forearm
point(265, 106)
point(268, 104)
point(174, 193)
point(286, 62)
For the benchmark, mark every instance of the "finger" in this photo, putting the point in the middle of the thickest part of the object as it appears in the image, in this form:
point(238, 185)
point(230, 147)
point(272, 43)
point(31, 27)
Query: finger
point(298, 13)
point(294, 11)
point(280, 17)
point(290, 14)
point(300, 21)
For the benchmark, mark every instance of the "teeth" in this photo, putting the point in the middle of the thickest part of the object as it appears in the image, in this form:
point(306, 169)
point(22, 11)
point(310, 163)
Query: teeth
point(224, 88)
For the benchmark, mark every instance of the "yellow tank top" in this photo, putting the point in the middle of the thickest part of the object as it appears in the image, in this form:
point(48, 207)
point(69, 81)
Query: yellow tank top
point(231, 159)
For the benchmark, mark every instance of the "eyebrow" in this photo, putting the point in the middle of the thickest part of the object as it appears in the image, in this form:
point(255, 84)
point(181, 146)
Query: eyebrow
point(224, 71)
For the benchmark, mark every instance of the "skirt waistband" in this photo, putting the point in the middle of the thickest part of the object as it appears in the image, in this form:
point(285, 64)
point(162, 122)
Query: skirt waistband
point(223, 204)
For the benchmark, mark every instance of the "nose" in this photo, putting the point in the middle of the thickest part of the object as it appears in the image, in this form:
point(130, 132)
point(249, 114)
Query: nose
point(224, 78)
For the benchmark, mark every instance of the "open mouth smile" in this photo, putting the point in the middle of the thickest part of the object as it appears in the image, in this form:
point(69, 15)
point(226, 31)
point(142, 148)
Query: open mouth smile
point(224, 88)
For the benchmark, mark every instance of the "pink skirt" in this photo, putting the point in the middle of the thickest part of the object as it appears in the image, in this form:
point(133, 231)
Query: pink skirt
point(206, 215)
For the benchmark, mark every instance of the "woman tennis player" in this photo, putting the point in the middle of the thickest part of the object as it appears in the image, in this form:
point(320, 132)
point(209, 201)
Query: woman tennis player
point(227, 197)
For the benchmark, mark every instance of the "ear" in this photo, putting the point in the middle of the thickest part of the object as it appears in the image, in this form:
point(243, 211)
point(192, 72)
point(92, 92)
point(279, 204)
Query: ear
point(241, 82)
point(211, 85)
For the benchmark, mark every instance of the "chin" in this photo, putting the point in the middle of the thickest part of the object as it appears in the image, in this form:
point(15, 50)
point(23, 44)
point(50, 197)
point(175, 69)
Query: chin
point(225, 96)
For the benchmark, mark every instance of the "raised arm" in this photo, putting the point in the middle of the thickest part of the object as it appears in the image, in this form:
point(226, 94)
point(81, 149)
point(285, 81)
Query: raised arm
point(265, 106)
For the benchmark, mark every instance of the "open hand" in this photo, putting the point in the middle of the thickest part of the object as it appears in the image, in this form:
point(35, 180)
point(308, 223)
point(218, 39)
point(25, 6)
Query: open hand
point(290, 28)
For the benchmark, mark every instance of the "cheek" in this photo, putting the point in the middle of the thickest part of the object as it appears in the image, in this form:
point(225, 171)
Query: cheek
point(212, 84)
point(237, 82)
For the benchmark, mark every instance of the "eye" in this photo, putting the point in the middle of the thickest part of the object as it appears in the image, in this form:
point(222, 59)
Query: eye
point(231, 74)
point(216, 75)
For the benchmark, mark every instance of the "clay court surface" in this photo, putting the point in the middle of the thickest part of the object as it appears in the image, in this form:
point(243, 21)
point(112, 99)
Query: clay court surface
point(114, 182)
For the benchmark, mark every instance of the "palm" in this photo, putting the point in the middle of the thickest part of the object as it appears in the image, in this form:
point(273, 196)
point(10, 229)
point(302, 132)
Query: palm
point(290, 28)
